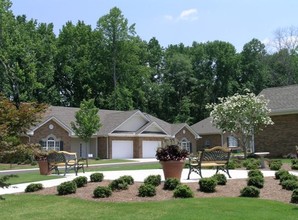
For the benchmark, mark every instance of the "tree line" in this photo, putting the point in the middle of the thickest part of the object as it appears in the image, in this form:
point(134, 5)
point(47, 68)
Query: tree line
point(114, 66)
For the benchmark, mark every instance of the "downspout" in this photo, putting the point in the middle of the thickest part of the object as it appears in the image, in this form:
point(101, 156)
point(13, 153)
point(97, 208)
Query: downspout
point(96, 149)
point(108, 147)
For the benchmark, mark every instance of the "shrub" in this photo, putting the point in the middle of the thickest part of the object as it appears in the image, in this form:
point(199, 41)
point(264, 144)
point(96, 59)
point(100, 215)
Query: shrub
point(287, 176)
point(294, 197)
point(250, 191)
point(102, 192)
point(294, 167)
point(220, 178)
point(154, 180)
point(289, 184)
point(256, 181)
point(232, 164)
point(80, 181)
point(256, 172)
point(171, 184)
point(96, 177)
point(251, 164)
point(275, 164)
point(294, 161)
point(33, 187)
point(118, 184)
point(128, 179)
point(147, 190)
point(65, 188)
point(280, 172)
point(183, 191)
point(207, 184)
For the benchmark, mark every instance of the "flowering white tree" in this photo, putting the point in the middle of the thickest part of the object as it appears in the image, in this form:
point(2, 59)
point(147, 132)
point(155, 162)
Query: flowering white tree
point(242, 115)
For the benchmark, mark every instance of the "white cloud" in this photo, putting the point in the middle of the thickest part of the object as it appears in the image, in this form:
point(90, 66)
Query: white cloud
point(189, 15)
point(169, 17)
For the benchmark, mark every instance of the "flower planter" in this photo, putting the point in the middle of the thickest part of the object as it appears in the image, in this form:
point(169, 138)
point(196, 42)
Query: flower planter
point(172, 168)
point(44, 167)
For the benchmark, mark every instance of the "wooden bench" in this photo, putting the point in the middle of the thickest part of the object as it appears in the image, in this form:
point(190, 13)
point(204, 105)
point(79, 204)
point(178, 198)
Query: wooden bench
point(64, 159)
point(215, 157)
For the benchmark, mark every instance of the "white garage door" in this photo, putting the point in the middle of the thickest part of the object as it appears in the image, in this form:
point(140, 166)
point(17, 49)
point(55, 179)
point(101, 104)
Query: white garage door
point(149, 148)
point(122, 149)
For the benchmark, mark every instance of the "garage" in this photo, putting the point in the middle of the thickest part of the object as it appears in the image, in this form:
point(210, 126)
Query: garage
point(149, 148)
point(122, 149)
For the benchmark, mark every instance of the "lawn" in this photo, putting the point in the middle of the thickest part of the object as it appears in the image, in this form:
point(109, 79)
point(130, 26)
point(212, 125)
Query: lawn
point(28, 206)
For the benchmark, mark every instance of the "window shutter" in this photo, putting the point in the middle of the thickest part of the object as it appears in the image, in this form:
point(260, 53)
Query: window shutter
point(61, 145)
point(190, 147)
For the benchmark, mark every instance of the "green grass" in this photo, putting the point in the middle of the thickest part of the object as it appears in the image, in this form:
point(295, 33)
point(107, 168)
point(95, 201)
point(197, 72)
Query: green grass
point(144, 166)
point(30, 177)
point(28, 206)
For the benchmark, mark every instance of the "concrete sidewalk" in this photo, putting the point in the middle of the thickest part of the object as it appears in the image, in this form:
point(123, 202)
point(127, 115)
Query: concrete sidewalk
point(138, 176)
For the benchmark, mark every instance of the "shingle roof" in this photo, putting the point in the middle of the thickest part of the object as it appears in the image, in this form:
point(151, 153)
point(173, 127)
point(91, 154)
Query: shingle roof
point(205, 127)
point(282, 100)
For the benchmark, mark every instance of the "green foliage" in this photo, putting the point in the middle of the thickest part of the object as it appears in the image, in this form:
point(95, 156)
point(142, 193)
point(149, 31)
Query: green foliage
point(207, 184)
point(102, 192)
point(256, 172)
point(80, 181)
point(128, 179)
point(232, 165)
point(118, 184)
point(294, 196)
point(280, 172)
point(183, 191)
point(147, 190)
point(171, 184)
point(234, 114)
point(66, 188)
point(33, 187)
point(287, 176)
point(294, 164)
point(221, 179)
point(96, 177)
point(289, 184)
point(250, 191)
point(257, 181)
point(154, 180)
point(3, 182)
point(275, 164)
point(251, 164)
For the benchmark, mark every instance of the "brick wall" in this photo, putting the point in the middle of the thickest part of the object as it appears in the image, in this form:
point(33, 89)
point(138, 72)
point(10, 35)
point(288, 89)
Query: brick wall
point(102, 147)
point(185, 133)
point(213, 139)
point(59, 132)
point(279, 139)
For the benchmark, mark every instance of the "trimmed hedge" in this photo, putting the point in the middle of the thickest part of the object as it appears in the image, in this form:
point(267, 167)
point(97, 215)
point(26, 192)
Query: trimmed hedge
point(294, 197)
point(171, 184)
point(80, 181)
point(66, 188)
point(96, 177)
point(102, 192)
point(255, 172)
point(33, 187)
point(275, 164)
point(257, 181)
point(183, 191)
point(220, 178)
point(250, 191)
point(154, 180)
point(118, 184)
point(147, 190)
point(207, 184)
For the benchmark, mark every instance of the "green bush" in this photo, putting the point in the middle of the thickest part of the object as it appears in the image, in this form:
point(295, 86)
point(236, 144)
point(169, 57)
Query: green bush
point(256, 181)
point(294, 197)
point(287, 176)
point(280, 172)
point(294, 167)
point(171, 183)
point(220, 178)
point(147, 190)
point(250, 191)
point(255, 172)
point(128, 179)
point(294, 161)
point(275, 164)
point(154, 180)
point(289, 184)
point(33, 187)
point(183, 191)
point(118, 184)
point(96, 177)
point(232, 165)
point(65, 188)
point(207, 184)
point(102, 192)
point(251, 164)
point(80, 181)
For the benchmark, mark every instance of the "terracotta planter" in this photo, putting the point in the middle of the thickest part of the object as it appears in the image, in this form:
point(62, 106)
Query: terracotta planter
point(44, 167)
point(172, 168)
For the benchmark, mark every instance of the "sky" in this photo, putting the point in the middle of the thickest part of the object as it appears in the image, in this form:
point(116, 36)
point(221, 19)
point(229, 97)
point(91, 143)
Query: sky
point(174, 21)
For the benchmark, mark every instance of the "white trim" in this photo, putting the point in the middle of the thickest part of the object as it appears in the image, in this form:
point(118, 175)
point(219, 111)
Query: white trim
point(284, 112)
point(139, 112)
point(153, 123)
point(197, 136)
point(70, 132)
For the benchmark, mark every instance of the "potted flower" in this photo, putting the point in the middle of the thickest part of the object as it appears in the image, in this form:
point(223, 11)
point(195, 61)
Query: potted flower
point(171, 157)
point(41, 157)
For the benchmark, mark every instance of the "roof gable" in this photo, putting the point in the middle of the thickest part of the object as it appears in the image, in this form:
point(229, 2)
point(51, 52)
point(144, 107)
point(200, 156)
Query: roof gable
point(282, 100)
point(205, 127)
point(152, 128)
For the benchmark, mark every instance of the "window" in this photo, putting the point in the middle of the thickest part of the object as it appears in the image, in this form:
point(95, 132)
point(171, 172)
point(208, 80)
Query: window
point(232, 141)
point(51, 143)
point(185, 144)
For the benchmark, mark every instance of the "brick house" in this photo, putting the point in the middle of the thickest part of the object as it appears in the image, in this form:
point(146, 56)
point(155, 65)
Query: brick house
point(279, 139)
point(123, 134)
